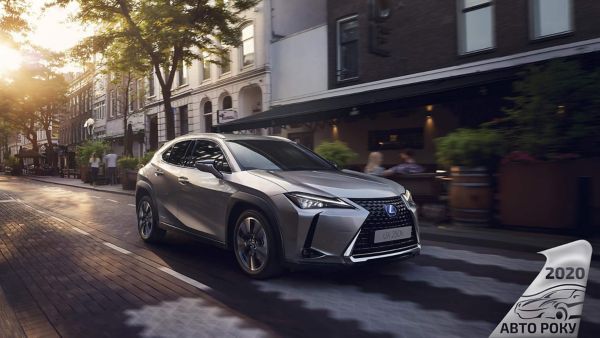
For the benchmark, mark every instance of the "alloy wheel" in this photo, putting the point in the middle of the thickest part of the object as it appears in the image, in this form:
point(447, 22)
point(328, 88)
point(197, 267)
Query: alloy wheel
point(251, 244)
point(145, 219)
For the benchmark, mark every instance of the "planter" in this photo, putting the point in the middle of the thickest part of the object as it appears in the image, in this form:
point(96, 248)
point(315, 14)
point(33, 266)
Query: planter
point(85, 174)
point(470, 195)
point(560, 195)
point(128, 179)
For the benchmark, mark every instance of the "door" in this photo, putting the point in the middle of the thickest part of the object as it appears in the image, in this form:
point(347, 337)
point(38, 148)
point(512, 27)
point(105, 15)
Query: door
point(203, 198)
point(165, 179)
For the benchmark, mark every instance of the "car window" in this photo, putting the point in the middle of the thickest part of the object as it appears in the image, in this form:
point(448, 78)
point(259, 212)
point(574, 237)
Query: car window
point(176, 154)
point(207, 150)
point(275, 155)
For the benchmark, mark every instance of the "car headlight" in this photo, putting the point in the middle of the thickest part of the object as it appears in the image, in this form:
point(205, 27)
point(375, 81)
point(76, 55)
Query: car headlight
point(308, 201)
point(408, 198)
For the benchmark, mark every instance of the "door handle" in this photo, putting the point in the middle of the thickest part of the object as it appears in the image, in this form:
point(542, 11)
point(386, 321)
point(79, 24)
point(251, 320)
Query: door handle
point(183, 180)
point(159, 172)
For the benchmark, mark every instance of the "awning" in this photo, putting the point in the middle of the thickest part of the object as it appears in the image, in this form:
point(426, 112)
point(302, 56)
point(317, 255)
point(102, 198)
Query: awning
point(366, 102)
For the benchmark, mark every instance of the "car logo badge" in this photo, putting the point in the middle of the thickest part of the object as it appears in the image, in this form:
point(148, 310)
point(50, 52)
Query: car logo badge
point(390, 210)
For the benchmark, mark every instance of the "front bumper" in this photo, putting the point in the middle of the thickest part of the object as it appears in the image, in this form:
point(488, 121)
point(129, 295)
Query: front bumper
point(345, 236)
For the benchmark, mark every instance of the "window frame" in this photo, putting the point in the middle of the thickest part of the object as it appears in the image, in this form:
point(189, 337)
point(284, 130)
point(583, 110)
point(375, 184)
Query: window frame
point(205, 65)
point(462, 28)
point(533, 15)
point(338, 68)
point(253, 38)
point(185, 155)
point(182, 74)
point(151, 85)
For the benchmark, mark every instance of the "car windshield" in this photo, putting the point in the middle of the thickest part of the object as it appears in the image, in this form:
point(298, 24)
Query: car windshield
point(275, 155)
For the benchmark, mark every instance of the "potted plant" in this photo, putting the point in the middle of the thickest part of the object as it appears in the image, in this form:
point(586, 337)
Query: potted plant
point(145, 159)
point(13, 166)
point(552, 126)
point(336, 152)
point(470, 154)
point(84, 152)
point(128, 166)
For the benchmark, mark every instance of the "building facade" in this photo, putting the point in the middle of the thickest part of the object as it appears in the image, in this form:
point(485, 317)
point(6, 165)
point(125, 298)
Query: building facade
point(400, 73)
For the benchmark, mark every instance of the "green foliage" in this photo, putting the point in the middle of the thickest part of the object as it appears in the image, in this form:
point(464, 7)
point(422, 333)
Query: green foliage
point(470, 148)
point(11, 161)
point(146, 158)
point(160, 36)
point(128, 163)
point(336, 152)
point(85, 151)
point(556, 110)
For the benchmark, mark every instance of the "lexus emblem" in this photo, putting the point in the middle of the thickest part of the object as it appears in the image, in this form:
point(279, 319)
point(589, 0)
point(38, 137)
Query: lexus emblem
point(390, 210)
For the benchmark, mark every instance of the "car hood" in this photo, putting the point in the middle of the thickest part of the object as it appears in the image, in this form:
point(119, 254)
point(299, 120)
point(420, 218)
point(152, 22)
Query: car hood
point(349, 184)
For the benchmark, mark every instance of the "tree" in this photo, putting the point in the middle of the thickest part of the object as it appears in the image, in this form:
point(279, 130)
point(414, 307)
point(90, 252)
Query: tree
point(166, 33)
point(11, 18)
point(32, 101)
point(555, 110)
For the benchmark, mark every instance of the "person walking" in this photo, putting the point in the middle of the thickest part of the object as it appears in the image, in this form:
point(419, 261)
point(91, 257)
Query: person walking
point(111, 166)
point(95, 166)
point(373, 166)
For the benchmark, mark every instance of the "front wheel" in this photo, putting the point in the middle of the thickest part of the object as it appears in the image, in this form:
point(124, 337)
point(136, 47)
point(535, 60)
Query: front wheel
point(255, 246)
point(147, 218)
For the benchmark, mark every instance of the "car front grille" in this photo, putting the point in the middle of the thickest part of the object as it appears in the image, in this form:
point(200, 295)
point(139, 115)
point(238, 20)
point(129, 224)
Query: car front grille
point(378, 219)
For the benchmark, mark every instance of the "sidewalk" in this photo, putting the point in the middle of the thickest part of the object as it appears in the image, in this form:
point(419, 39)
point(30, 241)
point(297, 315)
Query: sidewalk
point(75, 182)
point(521, 240)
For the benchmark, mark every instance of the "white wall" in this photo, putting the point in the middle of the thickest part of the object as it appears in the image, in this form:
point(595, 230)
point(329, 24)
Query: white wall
point(291, 16)
point(299, 64)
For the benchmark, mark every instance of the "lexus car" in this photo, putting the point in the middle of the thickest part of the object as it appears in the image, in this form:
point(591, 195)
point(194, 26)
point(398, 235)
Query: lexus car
point(274, 203)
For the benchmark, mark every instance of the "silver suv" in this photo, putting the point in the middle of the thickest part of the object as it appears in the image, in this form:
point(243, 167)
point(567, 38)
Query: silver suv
point(273, 202)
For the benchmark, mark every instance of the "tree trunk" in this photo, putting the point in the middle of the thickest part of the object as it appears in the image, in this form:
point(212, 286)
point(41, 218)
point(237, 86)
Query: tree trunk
point(169, 117)
point(50, 154)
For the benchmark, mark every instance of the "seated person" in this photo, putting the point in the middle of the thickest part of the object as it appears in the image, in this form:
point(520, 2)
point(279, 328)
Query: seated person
point(373, 166)
point(407, 166)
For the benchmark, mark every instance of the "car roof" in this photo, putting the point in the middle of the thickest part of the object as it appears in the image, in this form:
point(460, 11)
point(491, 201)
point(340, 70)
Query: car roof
point(234, 137)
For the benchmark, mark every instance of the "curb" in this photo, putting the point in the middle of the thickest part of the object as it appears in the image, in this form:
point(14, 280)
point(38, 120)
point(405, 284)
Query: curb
point(132, 193)
point(9, 324)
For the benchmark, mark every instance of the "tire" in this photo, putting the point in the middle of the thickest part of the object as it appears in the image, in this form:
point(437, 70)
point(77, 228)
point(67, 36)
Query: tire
point(147, 218)
point(562, 313)
point(255, 246)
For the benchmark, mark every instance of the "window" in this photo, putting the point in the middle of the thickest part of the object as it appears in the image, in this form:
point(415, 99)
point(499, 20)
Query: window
point(176, 154)
point(226, 62)
point(118, 102)
point(208, 117)
point(140, 93)
point(275, 155)
point(227, 104)
point(475, 25)
point(113, 103)
point(182, 74)
point(207, 150)
point(248, 45)
point(151, 89)
point(183, 120)
point(551, 17)
point(131, 98)
point(347, 48)
point(205, 66)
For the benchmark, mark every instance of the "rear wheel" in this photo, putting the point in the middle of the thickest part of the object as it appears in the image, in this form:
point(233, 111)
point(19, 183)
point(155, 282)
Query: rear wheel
point(147, 217)
point(255, 246)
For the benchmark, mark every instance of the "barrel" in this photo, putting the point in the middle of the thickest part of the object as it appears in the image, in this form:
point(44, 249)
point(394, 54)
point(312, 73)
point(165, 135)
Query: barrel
point(470, 195)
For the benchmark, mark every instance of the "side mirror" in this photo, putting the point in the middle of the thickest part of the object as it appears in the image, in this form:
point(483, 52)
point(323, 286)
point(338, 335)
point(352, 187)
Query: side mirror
point(208, 166)
point(334, 164)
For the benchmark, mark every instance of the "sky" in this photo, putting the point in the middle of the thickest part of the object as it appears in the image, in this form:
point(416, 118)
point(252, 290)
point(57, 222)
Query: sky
point(50, 29)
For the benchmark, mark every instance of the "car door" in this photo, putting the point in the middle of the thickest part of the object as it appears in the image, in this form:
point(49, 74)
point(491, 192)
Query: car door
point(203, 199)
point(166, 173)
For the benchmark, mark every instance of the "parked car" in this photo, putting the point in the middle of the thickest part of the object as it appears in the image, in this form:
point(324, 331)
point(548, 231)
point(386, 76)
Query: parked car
point(556, 303)
point(274, 203)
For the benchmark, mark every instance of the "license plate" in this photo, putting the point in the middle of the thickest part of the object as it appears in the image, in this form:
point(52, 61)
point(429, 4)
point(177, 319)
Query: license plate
point(393, 234)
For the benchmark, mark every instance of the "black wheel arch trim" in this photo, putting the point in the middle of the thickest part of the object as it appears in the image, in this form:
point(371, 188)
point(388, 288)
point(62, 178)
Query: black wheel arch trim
point(268, 210)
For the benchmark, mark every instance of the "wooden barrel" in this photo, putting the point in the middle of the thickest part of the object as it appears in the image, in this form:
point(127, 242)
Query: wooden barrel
point(470, 195)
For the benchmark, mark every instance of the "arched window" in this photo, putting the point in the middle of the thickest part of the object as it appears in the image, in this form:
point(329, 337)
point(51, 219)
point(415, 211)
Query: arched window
point(227, 104)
